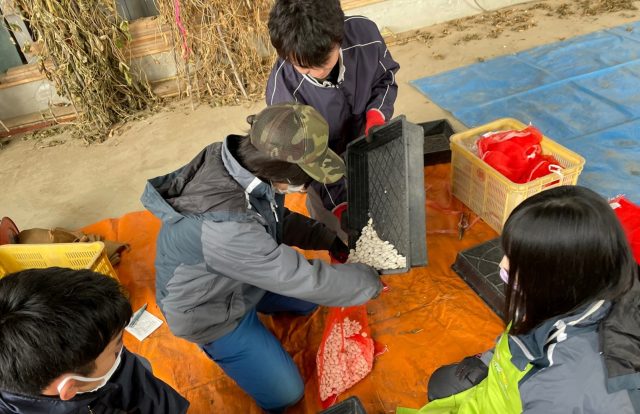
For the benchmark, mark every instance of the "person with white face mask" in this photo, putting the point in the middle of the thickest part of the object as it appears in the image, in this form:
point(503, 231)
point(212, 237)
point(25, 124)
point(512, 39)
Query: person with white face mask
point(61, 349)
point(88, 384)
point(224, 250)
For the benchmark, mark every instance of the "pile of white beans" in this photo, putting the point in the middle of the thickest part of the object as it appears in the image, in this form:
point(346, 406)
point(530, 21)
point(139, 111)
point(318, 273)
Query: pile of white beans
point(341, 359)
point(375, 252)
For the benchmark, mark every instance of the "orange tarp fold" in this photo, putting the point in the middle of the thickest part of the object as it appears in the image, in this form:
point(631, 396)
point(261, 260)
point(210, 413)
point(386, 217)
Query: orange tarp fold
point(429, 318)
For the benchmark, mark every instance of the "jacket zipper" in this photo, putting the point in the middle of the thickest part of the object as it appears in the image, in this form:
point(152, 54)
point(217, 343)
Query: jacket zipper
point(273, 209)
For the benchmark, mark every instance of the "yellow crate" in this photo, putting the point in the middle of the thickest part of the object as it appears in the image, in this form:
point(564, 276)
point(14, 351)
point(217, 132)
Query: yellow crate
point(490, 194)
point(16, 257)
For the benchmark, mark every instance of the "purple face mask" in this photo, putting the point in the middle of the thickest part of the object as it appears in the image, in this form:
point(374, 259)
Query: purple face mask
point(504, 275)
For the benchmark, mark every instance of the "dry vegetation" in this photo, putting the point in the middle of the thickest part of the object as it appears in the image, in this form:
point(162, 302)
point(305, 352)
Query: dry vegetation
point(222, 50)
point(492, 24)
point(223, 47)
point(84, 40)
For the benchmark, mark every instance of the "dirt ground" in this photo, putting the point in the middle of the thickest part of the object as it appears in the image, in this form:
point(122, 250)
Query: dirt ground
point(59, 181)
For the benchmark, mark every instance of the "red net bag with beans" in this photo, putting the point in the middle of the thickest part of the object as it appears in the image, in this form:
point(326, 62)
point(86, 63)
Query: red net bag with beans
point(346, 352)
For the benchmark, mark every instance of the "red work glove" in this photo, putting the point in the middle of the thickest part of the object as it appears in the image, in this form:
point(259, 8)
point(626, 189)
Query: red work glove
point(374, 118)
point(338, 211)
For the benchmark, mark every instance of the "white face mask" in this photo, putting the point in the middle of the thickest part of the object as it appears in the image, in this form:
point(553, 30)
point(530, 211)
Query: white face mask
point(290, 189)
point(103, 379)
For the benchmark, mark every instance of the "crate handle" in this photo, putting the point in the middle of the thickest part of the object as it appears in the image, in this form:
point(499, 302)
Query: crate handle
point(556, 169)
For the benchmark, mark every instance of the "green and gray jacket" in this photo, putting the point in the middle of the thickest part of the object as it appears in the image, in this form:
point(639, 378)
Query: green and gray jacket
point(225, 241)
point(586, 362)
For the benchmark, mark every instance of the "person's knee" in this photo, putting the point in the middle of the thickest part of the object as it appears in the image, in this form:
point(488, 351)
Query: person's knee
point(440, 384)
point(289, 393)
point(453, 379)
point(307, 310)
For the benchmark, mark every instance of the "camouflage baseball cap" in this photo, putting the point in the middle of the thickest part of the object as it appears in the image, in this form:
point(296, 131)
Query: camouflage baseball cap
point(297, 134)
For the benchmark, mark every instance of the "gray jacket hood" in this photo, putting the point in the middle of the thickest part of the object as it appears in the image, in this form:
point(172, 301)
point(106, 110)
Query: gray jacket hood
point(204, 185)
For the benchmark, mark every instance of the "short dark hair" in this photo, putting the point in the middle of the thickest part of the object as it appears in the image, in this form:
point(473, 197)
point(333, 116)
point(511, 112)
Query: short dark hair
point(54, 321)
point(305, 31)
point(565, 248)
point(264, 167)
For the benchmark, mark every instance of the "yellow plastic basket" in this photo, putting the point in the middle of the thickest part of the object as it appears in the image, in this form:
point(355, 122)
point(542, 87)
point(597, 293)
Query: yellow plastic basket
point(490, 194)
point(16, 257)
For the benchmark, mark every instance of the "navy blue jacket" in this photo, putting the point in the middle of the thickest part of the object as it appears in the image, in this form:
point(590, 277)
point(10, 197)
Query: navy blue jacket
point(131, 389)
point(366, 81)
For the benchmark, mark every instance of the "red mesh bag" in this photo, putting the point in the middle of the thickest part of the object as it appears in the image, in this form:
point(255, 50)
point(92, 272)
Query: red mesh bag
point(517, 154)
point(521, 144)
point(346, 352)
point(514, 168)
point(629, 215)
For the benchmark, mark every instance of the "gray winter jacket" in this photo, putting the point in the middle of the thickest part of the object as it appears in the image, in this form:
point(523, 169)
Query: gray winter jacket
point(225, 241)
point(366, 81)
point(586, 362)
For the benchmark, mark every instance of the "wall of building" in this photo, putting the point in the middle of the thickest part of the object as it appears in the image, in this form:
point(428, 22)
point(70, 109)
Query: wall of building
point(35, 96)
point(403, 15)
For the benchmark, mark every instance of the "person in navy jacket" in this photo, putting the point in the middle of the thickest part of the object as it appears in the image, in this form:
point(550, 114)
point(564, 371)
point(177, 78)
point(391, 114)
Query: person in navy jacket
point(61, 348)
point(341, 66)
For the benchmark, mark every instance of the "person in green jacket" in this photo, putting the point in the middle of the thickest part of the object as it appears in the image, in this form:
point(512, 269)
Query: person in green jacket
point(572, 344)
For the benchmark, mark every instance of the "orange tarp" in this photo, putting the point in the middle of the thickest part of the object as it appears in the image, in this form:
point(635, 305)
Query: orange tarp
point(430, 317)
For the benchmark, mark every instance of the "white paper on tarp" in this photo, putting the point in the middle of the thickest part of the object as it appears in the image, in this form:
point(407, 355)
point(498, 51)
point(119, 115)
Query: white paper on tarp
point(144, 326)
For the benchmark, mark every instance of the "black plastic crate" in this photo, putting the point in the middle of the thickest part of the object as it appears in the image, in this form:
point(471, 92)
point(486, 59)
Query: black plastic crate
point(478, 266)
point(351, 405)
point(385, 181)
point(437, 148)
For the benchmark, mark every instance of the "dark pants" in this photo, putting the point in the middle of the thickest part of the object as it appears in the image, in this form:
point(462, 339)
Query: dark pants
point(255, 359)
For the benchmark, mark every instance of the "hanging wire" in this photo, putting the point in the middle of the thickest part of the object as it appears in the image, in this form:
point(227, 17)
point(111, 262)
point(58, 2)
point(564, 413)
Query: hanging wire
point(480, 6)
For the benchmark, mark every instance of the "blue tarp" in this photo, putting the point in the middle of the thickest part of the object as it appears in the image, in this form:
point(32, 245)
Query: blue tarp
point(583, 93)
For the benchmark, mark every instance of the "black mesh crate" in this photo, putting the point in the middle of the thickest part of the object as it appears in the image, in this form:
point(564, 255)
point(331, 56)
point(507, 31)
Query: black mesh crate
point(437, 149)
point(385, 181)
point(351, 405)
point(478, 266)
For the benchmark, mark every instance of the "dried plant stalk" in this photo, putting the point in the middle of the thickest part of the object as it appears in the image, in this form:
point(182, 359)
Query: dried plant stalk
point(228, 54)
point(85, 41)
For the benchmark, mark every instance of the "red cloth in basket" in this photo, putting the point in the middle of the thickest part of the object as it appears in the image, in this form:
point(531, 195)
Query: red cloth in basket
point(517, 154)
point(629, 215)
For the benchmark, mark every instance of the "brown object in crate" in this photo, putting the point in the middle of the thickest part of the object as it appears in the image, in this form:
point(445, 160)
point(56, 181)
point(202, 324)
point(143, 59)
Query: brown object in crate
point(8, 231)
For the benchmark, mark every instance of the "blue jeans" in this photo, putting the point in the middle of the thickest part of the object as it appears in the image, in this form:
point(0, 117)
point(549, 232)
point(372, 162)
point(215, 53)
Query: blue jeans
point(256, 361)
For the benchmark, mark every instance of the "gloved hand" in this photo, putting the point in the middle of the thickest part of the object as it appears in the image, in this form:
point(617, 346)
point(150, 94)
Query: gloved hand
point(384, 288)
point(339, 251)
point(374, 118)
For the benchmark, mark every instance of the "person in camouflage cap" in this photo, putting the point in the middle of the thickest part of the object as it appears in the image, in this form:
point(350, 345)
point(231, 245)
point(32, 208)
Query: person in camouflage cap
point(297, 134)
point(223, 252)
